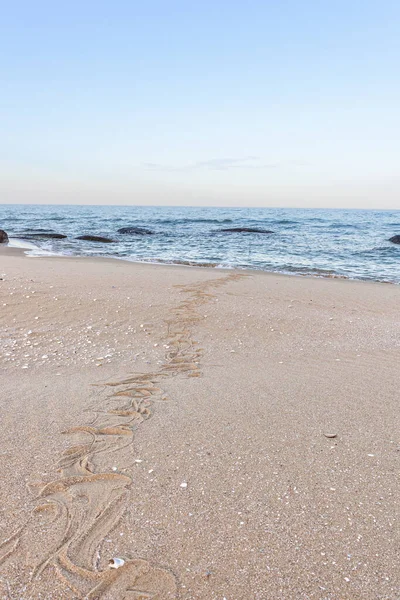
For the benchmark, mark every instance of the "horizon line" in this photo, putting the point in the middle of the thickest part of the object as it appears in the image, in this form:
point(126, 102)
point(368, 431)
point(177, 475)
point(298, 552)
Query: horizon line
point(204, 206)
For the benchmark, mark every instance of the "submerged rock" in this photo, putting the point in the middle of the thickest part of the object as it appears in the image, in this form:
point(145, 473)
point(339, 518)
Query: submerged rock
point(135, 230)
point(95, 238)
point(246, 230)
point(3, 237)
point(31, 230)
point(43, 236)
point(395, 239)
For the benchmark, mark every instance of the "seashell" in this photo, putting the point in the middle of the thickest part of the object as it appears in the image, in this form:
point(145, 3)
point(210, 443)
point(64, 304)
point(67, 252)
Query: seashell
point(183, 485)
point(116, 563)
point(330, 435)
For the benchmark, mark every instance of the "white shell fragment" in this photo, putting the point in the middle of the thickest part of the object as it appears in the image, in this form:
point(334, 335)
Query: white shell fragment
point(183, 485)
point(116, 563)
point(330, 435)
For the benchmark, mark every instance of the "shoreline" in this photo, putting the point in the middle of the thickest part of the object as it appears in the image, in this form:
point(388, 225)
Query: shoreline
point(14, 251)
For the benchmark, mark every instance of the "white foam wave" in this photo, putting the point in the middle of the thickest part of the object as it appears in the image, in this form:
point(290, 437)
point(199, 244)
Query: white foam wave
point(31, 249)
point(24, 244)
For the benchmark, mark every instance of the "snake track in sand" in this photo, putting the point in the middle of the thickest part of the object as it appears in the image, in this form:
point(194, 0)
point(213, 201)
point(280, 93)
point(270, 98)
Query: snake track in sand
point(84, 504)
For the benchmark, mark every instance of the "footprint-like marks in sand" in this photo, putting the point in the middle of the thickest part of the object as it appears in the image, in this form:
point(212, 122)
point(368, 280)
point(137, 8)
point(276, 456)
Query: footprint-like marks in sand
point(78, 509)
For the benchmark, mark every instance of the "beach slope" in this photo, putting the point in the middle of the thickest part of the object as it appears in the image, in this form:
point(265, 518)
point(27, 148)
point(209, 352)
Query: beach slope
point(224, 434)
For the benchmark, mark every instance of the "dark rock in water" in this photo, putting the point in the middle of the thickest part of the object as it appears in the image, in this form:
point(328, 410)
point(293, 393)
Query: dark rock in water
point(395, 239)
point(95, 238)
point(136, 230)
point(246, 230)
point(32, 230)
point(43, 236)
point(3, 237)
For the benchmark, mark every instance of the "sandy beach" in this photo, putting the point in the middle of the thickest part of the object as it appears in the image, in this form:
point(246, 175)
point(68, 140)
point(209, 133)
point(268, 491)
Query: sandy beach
point(229, 435)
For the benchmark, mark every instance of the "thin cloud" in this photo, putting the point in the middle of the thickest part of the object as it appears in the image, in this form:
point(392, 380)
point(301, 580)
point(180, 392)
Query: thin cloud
point(214, 164)
point(222, 164)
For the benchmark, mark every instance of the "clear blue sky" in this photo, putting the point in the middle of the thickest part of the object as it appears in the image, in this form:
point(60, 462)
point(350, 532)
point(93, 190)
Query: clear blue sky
point(292, 103)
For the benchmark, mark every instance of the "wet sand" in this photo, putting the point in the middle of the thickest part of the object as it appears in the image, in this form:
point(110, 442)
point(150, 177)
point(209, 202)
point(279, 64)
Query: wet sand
point(182, 419)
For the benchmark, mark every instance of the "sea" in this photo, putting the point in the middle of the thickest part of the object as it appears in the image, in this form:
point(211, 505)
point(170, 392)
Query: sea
point(350, 244)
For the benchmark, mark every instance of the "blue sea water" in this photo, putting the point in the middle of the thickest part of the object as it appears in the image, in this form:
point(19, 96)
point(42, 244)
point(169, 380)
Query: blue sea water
point(344, 243)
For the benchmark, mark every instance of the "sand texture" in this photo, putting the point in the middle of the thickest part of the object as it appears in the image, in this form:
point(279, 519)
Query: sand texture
point(228, 435)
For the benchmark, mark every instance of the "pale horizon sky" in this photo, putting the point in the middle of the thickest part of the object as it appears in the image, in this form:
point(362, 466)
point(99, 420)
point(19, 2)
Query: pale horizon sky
point(207, 104)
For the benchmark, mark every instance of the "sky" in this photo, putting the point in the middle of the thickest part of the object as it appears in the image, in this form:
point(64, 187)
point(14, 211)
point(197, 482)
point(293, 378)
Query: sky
point(214, 103)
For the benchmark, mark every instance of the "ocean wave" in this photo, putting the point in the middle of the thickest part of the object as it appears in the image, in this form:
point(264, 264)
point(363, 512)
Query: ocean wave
point(342, 226)
point(188, 220)
point(283, 222)
point(173, 261)
point(318, 272)
point(392, 250)
point(15, 242)
point(31, 219)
